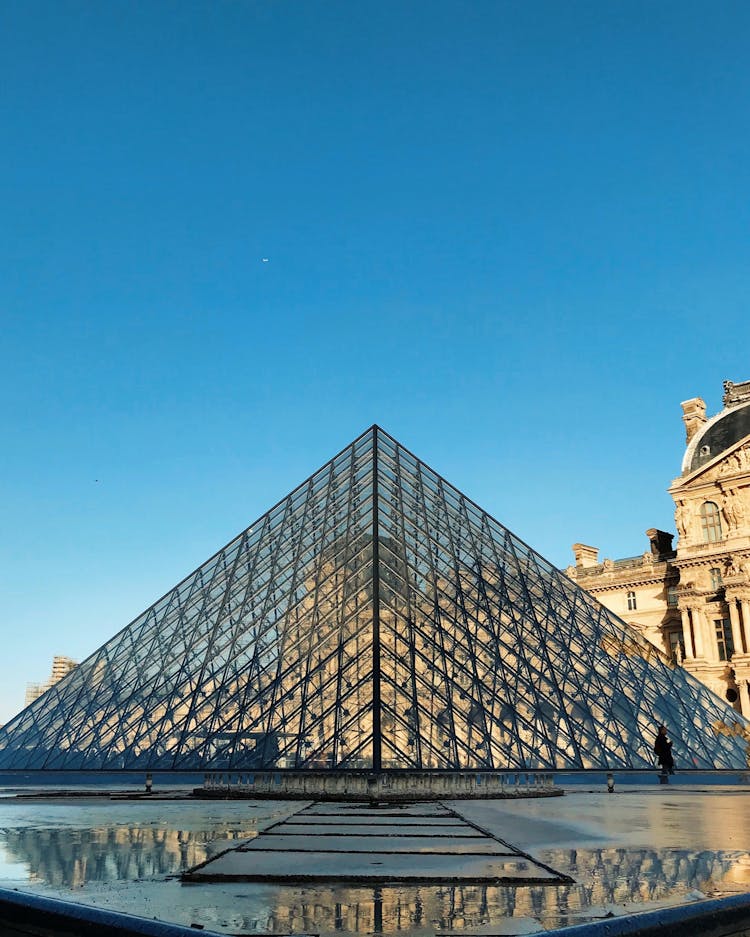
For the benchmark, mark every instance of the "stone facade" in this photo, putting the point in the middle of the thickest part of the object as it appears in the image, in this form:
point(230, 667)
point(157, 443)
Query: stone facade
point(61, 667)
point(694, 602)
point(639, 589)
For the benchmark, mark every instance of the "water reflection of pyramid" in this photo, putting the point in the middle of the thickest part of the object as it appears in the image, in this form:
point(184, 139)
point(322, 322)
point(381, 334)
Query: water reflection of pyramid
point(375, 618)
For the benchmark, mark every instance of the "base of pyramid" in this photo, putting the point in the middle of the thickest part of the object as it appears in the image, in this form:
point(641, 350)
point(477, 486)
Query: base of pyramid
point(385, 787)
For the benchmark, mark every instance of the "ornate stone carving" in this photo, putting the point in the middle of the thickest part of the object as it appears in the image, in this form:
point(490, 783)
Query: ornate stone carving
point(737, 462)
point(683, 518)
point(734, 509)
point(735, 394)
point(733, 568)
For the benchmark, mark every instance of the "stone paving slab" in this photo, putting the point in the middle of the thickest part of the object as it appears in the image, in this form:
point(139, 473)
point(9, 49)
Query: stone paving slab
point(445, 822)
point(341, 847)
point(432, 844)
point(320, 809)
point(457, 830)
point(407, 867)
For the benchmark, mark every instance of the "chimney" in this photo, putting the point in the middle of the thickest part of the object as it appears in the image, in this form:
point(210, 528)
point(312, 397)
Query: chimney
point(660, 542)
point(693, 416)
point(586, 557)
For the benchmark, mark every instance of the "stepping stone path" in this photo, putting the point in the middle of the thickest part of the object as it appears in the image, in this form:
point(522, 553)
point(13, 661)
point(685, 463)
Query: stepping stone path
point(359, 842)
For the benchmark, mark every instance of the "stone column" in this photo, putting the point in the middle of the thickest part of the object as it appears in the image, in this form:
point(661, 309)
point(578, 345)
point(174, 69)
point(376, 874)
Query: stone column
point(710, 643)
point(687, 634)
point(734, 620)
point(699, 632)
point(745, 608)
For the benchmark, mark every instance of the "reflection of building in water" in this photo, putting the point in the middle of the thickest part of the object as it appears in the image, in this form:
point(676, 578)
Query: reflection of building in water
point(605, 876)
point(375, 619)
point(739, 873)
point(61, 667)
point(694, 602)
point(74, 857)
point(65, 857)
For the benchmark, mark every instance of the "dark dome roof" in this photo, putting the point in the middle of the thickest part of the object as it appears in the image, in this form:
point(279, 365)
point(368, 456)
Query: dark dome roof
point(719, 435)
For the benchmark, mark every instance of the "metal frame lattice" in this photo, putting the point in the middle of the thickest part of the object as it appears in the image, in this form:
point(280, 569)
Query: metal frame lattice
point(374, 619)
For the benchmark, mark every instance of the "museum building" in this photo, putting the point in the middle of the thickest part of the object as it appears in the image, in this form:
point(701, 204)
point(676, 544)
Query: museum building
point(693, 602)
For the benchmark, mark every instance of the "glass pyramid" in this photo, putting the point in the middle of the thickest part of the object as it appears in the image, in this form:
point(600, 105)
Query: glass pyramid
point(376, 618)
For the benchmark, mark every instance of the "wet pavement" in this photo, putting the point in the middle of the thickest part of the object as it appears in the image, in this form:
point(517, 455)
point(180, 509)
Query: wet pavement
point(637, 849)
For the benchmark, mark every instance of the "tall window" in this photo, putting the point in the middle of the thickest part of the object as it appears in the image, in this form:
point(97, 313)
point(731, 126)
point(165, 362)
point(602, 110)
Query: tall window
point(715, 574)
point(710, 522)
point(631, 601)
point(672, 597)
point(724, 638)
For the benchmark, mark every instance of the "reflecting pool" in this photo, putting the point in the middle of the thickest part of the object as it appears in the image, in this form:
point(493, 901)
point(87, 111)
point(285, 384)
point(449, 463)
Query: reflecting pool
point(626, 852)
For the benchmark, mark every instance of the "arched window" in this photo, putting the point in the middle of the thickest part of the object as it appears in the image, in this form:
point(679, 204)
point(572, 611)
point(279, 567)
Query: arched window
point(710, 522)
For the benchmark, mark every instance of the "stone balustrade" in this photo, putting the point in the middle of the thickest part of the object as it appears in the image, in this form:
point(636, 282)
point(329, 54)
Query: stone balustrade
point(340, 785)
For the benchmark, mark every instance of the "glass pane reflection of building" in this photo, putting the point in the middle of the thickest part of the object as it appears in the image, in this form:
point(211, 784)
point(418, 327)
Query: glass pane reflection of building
point(374, 619)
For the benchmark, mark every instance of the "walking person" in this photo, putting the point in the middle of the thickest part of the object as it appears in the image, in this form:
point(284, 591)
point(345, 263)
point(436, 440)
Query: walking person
point(663, 750)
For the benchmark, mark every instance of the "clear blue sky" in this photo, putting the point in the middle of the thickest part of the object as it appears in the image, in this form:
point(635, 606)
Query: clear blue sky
point(514, 234)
